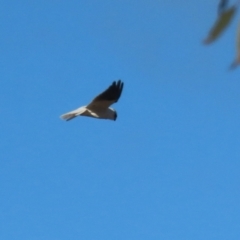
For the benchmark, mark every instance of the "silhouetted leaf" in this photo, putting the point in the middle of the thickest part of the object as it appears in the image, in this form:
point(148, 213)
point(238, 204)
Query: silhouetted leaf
point(222, 6)
point(222, 22)
point(237, 60)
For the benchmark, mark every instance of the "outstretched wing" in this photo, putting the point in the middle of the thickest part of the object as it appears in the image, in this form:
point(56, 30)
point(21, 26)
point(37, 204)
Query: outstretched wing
point(109, 96)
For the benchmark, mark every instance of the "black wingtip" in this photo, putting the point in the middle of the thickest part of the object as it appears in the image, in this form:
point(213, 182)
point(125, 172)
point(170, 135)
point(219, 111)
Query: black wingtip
point(120, 85)
point(112, 93)
point(117, 87)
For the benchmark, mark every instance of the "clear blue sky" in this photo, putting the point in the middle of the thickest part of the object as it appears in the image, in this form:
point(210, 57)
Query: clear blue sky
point(168, 168)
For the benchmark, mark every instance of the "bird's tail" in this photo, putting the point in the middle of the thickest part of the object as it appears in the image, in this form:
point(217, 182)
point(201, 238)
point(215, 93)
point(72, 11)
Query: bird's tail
point(70, 115)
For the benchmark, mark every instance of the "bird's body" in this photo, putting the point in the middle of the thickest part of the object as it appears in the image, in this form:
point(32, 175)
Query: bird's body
point(102, 113)
point(100, 106)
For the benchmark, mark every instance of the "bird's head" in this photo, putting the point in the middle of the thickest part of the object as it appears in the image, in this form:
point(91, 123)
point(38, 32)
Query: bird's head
point(115, 116)
point(111, 114)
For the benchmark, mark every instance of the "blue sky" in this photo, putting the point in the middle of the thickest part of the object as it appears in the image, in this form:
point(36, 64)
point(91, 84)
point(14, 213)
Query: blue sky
point(168, 168)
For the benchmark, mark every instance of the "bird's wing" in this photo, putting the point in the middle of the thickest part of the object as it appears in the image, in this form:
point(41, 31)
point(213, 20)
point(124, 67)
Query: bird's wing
point(109, 96)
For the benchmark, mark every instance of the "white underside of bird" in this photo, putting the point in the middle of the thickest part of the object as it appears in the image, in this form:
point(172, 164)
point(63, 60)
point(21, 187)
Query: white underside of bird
point(100, 105)
point(103, 113)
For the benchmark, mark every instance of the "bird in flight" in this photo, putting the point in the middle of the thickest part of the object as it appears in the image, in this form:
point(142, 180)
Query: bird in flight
point(100, 105)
